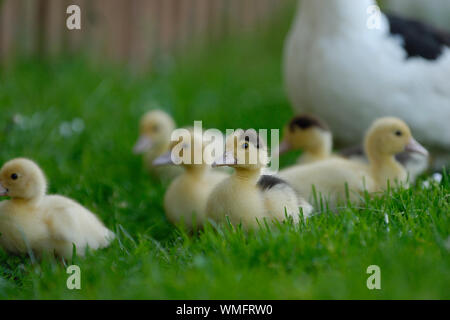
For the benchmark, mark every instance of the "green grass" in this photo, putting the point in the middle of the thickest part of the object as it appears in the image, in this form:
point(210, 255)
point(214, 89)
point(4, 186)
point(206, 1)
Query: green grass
point(235, 84)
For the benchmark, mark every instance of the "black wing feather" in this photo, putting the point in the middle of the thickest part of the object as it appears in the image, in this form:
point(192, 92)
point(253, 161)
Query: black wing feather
point(420, 40)
point(267, 182)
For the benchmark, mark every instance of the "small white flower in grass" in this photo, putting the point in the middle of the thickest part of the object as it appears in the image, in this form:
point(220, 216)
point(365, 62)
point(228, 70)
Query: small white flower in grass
point(68, 129)
point(78, 125)
point(123, 205)
point(18, 119)
point(65, 129)
point(426, 184)
point(386, 220)
point(437, 177)
point(447, 244)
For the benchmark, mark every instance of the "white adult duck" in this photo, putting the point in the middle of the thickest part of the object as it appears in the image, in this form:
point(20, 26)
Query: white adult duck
point(340, 68)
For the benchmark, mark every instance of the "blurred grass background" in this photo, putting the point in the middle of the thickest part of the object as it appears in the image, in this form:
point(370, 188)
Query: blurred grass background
point(79, 120)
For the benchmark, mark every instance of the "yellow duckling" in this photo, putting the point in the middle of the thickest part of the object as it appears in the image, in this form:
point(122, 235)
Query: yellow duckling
point(385, 138)
point(414, 163)
point(247, 197)
point(185, 199)
point(314, 137)
point(34, 221)
point(309, 134)
point(156, 128)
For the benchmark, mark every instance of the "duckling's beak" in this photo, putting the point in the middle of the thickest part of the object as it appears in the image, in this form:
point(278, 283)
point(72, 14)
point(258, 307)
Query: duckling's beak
point(163, 160)
point(3, 191)
point(227, 159)
point(284, 147)
point(415, 147)
point(143, 144)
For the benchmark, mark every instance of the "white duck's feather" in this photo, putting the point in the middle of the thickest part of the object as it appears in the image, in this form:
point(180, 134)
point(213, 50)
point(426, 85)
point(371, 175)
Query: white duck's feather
point(348, 74)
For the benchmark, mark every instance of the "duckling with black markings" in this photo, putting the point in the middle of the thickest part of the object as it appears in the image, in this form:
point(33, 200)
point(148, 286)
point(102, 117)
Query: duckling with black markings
point(156, 128)
point(313, 136)
point(185, 199)
point(247, 197)
point(40, 223)
point(385, 138)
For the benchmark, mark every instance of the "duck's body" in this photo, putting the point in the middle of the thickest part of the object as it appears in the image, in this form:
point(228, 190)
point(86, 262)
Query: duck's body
point(52, 225)
point(248, 198)
point(185, 199)
point(329, 178)
point(332, 178)
point(349, 74)
point(245, 200)
point(40, 223)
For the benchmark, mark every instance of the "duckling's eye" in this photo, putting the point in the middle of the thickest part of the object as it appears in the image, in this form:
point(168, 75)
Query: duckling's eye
point(245, 145)
point(398, 133)
point(14, 176)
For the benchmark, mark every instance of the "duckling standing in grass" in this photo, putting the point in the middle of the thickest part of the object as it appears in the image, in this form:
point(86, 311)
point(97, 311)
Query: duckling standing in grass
point(156, 127)
point(185, 199)
point(40, 223)
point(414, 163)
point(385, 138)
point(309, 134)
point(247, 197)
point(314, 137)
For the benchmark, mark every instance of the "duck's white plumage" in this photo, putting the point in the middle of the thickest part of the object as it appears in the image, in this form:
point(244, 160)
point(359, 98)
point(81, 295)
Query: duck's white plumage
point(436, 12)
point(348, 74)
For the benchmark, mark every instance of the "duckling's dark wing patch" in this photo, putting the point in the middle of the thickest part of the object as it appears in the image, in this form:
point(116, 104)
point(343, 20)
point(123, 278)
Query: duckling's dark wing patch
point(307, 121)
point(268, 182)
point(419, 39)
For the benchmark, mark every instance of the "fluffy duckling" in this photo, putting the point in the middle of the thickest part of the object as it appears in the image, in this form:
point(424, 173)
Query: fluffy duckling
point(385, 138)
point(156, 127)
point(314, 137)
point(34, 221)
point(414, 163)
point(247, 197)
point(185, 199)
point(309, 134)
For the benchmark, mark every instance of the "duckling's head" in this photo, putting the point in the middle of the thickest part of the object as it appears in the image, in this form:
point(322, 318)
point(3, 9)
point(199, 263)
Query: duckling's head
point(186, 151)
point(156, 126)
point(22, 179)
point(305, 132)
point(390, 136)
point(244, 150)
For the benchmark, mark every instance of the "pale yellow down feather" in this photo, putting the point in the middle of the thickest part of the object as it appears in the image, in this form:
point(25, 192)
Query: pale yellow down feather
point(43, 223)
